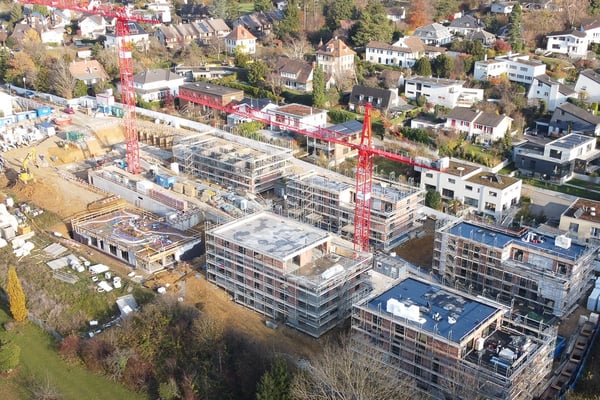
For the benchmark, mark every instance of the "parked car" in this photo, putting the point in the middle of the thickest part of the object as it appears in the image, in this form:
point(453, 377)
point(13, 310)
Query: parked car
point(70, 110)
point(29, 94)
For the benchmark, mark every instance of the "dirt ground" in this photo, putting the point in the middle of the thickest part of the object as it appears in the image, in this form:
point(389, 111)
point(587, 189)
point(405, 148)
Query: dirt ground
point(419, 251)
point(52, 192)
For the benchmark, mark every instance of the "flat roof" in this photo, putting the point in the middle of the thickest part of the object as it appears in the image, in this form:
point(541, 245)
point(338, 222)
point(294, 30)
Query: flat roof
point(502, 238)
point(584, 209)
point(298, 110)
point(273, 235)
point(211, 89)
point(347, 128)
point(442, 312)
point(493, 180)
point(136, 230)
point(571, 141)
point(460, 169)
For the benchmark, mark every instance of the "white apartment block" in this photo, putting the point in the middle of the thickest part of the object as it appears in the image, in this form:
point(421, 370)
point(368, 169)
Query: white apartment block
point(483, 191)
point(287, 271)
point(517, 68)
point(328, 201)
point(444, 92)
point(572, 43)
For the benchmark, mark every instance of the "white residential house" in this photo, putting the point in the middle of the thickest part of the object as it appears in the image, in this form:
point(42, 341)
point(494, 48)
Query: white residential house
point(516, 68)
point(137, 36)
point(434, 34)
point(472, 185)
point(502, 7)
point(465, 25)
point(53, 35)
point(336, 58)
point(592, 31)
point(157, 84)
point(396, 14)
point(298, 115)
point(573, 43)
point(484, 127)
point(588, 85)
point(241, 38)
point(444, 92)
point(92, 26)
point(550, 91)
point(402, 53)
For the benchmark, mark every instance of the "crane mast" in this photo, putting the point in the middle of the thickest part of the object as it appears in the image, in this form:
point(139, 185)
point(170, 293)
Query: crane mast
point(366, 153)
point(123, 17)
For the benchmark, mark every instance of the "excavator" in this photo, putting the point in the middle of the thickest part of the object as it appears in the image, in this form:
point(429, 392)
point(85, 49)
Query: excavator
point(25, 176)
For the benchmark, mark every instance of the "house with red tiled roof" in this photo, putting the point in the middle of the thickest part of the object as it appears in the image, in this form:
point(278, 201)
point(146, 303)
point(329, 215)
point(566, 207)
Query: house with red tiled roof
point(88, 71)
point(240, 37)
point(336, 58)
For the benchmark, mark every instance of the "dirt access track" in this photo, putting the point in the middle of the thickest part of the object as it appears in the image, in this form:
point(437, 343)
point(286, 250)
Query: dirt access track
point(51, 191)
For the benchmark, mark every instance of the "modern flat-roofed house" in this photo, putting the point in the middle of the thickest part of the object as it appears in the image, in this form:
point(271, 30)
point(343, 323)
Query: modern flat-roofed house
point(455, 345)
point(517, 68)
point(554, 93)
point(434, 34)
point(222, 95)
point(557, 160)
point(448, 93)
point(298, 115)
point(335, 153)
point(485, 127)
point(241, 38)
point(573, 43)
point(582, 220)
point(484, 191)
point(568, 118)
point(288, 271)
point(588, 85)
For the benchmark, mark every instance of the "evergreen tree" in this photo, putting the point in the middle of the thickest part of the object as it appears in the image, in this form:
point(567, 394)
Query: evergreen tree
point(290, 25)
point(263, 5)
point(515, 37)
point(594, 8)
point(338, 10)
point(275, 384)
point(372, 24)
point(16, 296)
point(3, 63)
point(422, 67)
point(443, 66)
point(433, 199)
point(257, 72)
point(16, 14)
point(445, 8)
point(318, 95)
point(476, 49)
point(218, 9)
point(240, 57)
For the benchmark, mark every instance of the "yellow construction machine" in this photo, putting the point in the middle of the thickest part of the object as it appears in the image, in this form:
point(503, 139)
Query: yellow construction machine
point(26, 175)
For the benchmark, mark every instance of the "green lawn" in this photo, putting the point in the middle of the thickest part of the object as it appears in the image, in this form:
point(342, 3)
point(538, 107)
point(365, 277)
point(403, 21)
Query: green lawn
point(575, 191)
point(40, 360)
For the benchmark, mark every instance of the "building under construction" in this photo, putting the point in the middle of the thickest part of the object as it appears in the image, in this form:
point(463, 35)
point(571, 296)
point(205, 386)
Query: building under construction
point(136, 237)
point(453, 345)
point(328, 201)
point(289, 271)
point(533, 272)
point(232, 161)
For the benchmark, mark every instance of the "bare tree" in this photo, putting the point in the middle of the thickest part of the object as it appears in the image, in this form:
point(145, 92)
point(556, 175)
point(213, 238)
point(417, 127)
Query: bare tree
point(351, 372)
point(61, 78)
point(296, 48)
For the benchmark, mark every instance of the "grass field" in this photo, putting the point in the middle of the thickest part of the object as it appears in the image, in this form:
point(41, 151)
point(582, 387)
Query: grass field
point(40, 362)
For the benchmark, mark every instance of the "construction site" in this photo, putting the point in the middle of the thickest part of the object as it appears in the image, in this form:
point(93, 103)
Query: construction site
point(288, 271)
point(455, 345)
point(136, 237)
point(533, 272)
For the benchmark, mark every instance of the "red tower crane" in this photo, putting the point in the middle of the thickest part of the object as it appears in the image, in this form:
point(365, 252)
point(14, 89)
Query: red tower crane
point(366, 152)
point(123, 17)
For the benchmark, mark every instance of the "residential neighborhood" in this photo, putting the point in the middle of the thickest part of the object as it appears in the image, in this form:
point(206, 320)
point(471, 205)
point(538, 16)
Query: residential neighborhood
point(300, 199)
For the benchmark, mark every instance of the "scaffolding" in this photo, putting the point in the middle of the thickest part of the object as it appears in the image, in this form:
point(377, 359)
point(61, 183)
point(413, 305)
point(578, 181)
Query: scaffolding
point(531, 275)
point(232, 161)
point(328, 202)
point(465, 367)
point(288, 271)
